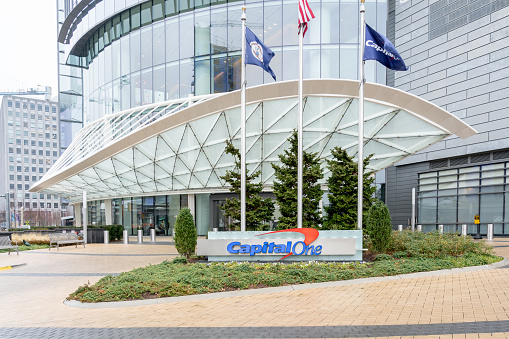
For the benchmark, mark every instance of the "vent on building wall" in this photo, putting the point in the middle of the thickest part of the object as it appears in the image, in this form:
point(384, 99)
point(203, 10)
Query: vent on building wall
point(458, 161)
point(480, 157)
point(501, 155)
point(438, 163)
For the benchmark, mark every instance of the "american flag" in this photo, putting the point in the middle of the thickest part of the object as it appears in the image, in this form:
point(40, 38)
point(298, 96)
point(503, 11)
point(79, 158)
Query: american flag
point(305, 15)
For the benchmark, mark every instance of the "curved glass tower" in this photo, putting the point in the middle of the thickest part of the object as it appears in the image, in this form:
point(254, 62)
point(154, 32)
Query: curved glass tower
point(132, 53)
point(117, 55)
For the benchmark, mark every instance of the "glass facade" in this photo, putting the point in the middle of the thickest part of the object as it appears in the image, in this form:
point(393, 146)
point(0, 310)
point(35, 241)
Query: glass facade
point(153, 212)
point(453, 197)
point(140, 56)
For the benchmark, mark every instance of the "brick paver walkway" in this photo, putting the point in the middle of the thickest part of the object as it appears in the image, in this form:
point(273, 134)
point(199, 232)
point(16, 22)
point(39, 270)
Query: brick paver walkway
point(463, 305)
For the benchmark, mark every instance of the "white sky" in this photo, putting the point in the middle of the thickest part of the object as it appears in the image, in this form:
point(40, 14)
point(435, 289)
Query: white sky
point(28, 40)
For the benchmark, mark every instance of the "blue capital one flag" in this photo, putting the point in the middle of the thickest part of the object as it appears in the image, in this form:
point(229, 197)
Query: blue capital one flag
point(379, 48)
point(257, 53)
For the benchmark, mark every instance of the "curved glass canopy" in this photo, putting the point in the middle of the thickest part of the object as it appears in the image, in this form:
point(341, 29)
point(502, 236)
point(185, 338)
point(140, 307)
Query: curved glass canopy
point(179, 145)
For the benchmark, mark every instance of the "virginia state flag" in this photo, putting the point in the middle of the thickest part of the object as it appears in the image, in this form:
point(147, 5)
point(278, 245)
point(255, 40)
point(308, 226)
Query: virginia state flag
point(257, 53)
point(379, 48)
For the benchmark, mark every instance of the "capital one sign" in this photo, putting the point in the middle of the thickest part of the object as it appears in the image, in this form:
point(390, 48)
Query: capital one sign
point(290, 244)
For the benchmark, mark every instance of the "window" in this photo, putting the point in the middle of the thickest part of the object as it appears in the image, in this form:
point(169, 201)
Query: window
point(32, 143)
point(27, 187)
point(47, 135)
point(48, 196)
point(18, 150)
point(54, 145)
point(34, 152)
point(48, 153)
point(34, 169)
point(41, 196)
point(11, 168)
point(34, 161)
point(25, 151)
point(16, 104)
point(11, 186)
point(32, 107)
point(55, 205)
point(18, 177)
point(34, 205)
point(41, 144)
point(55, 153)
point(18, 141)
point(20, 187)
point(46, 109)
point(40, 160)
point(48, 205)
point(11, 150)
point(18, 168)
point(41, 152)
point(39, 107)
point(27, 178)
point(41, 204)
point(34, 178)
point(53, 109)
point(11, 159)
point(9, 103)
point(25, 142)
point(11, 176)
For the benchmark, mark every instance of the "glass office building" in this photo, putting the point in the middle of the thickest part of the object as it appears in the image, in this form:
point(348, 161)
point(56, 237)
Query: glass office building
point(153, 83)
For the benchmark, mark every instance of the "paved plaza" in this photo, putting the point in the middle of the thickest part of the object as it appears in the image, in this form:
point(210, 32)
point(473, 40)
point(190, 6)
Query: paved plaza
point(459, 304)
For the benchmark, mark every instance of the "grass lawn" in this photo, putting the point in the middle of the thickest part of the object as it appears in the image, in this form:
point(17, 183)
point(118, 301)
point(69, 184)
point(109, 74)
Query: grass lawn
point(26, 248)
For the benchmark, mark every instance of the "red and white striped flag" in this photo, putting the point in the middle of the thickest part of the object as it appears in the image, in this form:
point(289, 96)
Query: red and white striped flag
point(305, 15)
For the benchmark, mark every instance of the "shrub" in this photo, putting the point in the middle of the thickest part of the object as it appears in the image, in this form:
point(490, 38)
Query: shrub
point(379, 226)
point(383, 256)
point(185, 233)
point(179, 260)
point(400, 254)
point(436, 245)
point(34, 238)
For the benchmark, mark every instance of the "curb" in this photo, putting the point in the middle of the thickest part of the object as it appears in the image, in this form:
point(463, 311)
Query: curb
point(5, 268)
point(268, 290)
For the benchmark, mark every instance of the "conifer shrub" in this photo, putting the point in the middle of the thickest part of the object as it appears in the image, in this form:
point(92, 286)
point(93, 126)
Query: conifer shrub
point(185, 233)
point(379, 226)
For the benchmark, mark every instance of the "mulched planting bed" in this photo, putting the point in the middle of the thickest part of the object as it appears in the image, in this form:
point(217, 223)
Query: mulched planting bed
point(170, 279)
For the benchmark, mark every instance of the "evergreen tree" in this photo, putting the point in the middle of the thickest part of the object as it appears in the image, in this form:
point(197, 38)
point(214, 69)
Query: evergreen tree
point(379, 227)
point(185, 233)
point(285, 187)
point(257, 208)
point(342, 184)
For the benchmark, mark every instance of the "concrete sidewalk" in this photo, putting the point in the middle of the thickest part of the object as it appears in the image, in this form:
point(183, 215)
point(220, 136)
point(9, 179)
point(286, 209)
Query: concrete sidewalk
point(457, 305)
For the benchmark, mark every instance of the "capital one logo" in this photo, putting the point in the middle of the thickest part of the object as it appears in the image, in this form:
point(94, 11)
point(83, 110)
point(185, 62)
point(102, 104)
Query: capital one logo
point(290, 248)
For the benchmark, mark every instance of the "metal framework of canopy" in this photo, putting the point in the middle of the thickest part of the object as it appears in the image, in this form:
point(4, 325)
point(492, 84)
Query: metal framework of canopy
point(178, 145)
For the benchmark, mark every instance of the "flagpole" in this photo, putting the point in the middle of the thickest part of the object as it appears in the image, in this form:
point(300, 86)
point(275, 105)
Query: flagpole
point(243, 127)
point(299, 134)
point(360, 152)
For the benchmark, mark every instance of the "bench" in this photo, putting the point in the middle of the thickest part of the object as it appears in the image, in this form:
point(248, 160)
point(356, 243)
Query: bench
point(56, 239)
point(5, 243)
